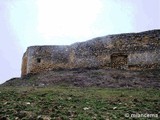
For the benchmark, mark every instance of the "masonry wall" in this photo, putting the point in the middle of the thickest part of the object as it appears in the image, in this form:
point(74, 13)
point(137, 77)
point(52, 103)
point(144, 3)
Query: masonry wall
point(24, 65)
point(142, 51)
point(46, 58)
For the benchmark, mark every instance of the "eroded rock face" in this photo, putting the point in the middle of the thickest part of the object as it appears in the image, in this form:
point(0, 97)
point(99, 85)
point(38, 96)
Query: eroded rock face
point(123, 51)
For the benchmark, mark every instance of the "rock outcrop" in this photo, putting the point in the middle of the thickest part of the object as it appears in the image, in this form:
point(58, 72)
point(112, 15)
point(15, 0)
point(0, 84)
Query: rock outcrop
point(131, 51)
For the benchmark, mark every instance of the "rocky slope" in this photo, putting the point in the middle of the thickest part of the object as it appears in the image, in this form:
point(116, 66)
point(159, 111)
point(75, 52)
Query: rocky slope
point(91, 77)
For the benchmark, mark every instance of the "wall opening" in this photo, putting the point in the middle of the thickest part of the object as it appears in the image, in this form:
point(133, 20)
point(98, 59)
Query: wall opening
point(38, 60)
point(119, 60)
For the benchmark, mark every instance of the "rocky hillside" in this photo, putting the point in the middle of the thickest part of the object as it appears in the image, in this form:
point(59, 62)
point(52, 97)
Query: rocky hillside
point(91, 77)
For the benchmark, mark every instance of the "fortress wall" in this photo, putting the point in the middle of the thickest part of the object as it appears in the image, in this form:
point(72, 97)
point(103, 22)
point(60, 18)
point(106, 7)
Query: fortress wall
point(145, 60)
point(42, 58)
point(132, 50)
point(30, 57)
point(24, 64)
point(89, 54)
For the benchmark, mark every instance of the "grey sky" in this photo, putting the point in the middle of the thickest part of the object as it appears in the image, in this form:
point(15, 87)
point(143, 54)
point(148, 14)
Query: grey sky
point(40, 22)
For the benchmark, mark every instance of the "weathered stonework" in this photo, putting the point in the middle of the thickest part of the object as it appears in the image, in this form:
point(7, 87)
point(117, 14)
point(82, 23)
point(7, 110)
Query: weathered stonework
point(123, 51)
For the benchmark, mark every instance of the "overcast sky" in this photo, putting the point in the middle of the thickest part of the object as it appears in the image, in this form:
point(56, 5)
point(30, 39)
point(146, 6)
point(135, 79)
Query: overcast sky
point(56, 22)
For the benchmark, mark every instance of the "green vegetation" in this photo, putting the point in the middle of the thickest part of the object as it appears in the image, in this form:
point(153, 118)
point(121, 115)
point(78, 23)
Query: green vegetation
point(73, 103)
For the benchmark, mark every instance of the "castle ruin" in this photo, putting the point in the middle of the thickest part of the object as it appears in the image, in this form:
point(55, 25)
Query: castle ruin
point(130, 51)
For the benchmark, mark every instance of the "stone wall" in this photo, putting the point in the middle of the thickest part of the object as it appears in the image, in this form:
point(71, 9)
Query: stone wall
point(41, 58)
point(24, 64)
point(137, 50)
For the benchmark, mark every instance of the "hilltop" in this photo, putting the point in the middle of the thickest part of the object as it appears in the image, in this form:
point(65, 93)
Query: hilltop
point(121, 60)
